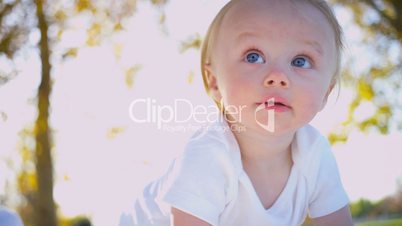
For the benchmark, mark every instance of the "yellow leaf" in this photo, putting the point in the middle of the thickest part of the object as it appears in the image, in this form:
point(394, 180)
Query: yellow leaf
point(334, 138)
point(91, 41)
point(72, 52)
point(190, 77)
point(60, 34)
point(192, 42)
point(162, 18)
point(66, 177)
point(60, 16)
point(113, 132)
point(130, 74)
point(94, 34)
point(365, 90)
point(368, 123)
point(118, 27)
point(82, 5)
point(158, 2)
point(117, 49)
point(376, 72)
point(27, 182)
point(385, 109)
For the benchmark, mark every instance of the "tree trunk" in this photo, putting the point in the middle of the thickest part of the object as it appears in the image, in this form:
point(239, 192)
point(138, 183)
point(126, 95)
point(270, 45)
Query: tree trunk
point(44, 209)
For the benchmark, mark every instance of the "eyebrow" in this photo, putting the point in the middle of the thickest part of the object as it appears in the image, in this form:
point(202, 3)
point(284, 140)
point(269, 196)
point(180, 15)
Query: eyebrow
point(249, 34)
point(246, 35)
point(316, 45)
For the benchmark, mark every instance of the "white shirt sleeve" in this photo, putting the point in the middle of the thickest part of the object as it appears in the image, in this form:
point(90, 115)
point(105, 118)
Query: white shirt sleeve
point(328, 195)
point(196, 184)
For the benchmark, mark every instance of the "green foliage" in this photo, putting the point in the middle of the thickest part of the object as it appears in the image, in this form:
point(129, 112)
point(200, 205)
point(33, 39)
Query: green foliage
point(381, 23)
point(361, 208)
point(391, 205)
point(13, 34)
point(337, 137)
point(26, 177)
point(394, 222)
point(18, 18)
point(365, 91)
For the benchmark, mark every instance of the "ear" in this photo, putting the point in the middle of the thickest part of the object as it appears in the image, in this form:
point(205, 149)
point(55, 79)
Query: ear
point(324, 101)
point(212, 82)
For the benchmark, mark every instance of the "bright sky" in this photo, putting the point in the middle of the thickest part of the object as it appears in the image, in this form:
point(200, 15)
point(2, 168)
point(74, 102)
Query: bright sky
point(96, 174)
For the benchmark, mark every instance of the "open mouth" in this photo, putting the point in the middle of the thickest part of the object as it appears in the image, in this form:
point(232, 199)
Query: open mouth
point(276, 103)
point(273, 104)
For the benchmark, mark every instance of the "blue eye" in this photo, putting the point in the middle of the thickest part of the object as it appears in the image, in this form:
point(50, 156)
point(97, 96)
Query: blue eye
point(254, 58)
point(302, 62)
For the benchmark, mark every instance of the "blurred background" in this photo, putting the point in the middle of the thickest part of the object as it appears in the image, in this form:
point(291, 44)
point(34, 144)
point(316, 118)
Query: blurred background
point(70, 70)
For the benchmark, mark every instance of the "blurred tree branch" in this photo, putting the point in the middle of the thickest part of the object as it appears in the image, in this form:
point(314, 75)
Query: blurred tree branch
point(18, 19)
point(379, 84)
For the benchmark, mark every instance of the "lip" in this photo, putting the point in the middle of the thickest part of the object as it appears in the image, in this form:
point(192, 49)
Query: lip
point(276, 103)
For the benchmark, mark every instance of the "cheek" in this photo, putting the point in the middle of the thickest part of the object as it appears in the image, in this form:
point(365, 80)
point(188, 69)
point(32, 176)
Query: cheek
point(235, 89)
point(311, 99)
point(232, 92)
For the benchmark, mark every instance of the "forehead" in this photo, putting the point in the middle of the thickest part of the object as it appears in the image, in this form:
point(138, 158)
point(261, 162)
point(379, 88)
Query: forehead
point(277, 18)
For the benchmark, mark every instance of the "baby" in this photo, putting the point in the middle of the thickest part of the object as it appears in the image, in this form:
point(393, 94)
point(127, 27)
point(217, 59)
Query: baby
point(270, 66)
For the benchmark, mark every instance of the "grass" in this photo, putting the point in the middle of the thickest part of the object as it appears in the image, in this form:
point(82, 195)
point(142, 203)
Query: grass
point(394, 222)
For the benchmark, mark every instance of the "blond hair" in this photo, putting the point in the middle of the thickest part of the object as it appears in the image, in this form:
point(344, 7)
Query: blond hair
point(213, 32)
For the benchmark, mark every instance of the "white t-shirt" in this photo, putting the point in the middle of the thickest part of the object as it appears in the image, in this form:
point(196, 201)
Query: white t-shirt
point(208, 181)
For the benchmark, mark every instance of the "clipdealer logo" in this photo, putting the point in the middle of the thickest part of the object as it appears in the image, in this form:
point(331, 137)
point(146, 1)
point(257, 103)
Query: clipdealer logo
point(270, 126)
point(149, 111)
point(163, 114)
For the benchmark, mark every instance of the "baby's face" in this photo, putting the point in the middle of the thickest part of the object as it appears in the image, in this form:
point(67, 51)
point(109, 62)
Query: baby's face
point(274, 49)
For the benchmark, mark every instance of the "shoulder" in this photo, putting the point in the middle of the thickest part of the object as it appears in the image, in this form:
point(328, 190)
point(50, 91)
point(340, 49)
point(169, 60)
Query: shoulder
point(310, 147)
point(314, 148)
point(209, 136)
point(207, 151)
point(315, 158)
point(213, 144)
point(308, 136)
point(312, 153)
point(201, 180)
point(206, 158)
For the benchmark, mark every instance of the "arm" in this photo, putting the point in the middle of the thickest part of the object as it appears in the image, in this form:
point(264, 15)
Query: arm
point(340, 217)
point(180, 218)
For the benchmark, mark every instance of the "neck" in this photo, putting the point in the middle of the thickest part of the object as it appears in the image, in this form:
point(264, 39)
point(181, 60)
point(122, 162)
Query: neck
point(264, 150)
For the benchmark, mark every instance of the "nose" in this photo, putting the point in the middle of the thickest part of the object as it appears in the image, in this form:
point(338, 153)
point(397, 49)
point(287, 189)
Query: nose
point(276, 78)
